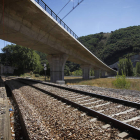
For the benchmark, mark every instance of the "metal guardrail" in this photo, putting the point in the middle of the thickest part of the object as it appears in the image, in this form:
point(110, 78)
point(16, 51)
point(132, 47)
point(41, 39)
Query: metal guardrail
point(47, 9)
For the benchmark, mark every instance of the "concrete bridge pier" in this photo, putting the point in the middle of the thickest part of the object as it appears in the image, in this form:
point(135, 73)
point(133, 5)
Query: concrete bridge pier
point(103, 73)
point(97, 73)
point(57, 63)
point(86, 71)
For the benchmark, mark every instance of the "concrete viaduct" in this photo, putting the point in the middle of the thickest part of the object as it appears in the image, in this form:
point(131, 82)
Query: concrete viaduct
point(30, 23)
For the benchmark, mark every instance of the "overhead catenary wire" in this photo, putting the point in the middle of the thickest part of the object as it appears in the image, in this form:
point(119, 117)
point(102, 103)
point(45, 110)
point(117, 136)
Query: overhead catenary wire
point(72, 9)
point(64, 6)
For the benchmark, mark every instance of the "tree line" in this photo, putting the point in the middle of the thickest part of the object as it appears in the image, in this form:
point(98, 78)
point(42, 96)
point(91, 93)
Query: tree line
point(24, 59)
point(126, 67)
point(109, 47)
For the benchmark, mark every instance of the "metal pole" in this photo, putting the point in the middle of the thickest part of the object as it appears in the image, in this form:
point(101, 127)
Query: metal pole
point(45, 68)
point(45, 75)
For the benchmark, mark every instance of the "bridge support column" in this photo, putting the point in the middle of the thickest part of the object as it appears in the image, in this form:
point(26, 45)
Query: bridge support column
point(57, 63)
point(86, 71)
point(103, 73)
point(97, 73)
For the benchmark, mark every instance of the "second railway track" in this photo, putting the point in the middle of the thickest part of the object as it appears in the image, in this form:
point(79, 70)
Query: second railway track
point(122, 114)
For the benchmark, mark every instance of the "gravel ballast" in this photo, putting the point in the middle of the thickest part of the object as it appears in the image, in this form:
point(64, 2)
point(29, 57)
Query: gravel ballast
point(48, 118)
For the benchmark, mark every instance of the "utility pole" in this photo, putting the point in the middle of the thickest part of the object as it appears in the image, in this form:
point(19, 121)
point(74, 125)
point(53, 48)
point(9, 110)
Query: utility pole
point(45, 68)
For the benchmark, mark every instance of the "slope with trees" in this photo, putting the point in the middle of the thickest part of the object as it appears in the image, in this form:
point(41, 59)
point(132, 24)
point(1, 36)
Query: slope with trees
point(109, 47)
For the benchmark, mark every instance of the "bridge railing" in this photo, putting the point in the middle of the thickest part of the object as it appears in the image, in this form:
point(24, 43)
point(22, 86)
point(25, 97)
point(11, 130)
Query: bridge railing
point(46, 8)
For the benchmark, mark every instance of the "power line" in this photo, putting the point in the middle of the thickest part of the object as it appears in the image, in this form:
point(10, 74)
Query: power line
point(72, 9)
point(64, 6)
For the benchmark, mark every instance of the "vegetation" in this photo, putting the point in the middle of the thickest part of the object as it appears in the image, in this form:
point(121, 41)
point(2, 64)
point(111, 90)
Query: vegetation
point(43, 57)
point(121, 82)
point(104, 82)
point(37, 75)
point(77, 72)
point(13, 54)
point(117, 44)
point(125, 67)
point(138, 68)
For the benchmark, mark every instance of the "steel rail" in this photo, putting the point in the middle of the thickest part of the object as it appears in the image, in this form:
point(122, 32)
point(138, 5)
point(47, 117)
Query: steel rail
point(115, 123)
point(116, 100)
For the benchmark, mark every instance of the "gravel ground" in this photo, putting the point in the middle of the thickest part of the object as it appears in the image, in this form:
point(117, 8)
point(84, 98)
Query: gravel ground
point(50, 119)
point(98, 104)
point(16, 131)
point(124, 94)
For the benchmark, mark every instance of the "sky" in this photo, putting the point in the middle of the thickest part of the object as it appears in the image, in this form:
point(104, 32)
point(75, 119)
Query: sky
point(95, 16)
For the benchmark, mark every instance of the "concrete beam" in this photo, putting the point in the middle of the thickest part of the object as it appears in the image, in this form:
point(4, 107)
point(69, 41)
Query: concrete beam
point(57, 63)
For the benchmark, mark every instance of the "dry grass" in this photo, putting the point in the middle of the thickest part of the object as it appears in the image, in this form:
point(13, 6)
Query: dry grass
point(103, 82)
point(135, 84)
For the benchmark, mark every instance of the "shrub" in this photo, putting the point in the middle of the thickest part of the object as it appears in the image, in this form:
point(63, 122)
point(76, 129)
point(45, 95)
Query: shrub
point(37, 75)
point(121, 82)
point(31, 73)
point(77, 72)
point(22, 75)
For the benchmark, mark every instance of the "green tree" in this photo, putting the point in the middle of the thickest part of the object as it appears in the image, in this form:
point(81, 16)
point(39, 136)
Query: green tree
point(77, 72)
point(138, 68)
point(125, 67)
point(66, 71)
point(21, 58)
point(129, 67)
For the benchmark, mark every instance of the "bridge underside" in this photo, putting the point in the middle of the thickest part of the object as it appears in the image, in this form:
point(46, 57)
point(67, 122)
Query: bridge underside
point(27, 24)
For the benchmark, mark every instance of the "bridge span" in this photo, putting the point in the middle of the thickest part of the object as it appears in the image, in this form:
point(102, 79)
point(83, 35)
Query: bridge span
point(32, 24)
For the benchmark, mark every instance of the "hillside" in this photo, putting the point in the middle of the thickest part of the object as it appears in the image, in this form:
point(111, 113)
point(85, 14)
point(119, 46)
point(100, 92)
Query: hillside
point(109, 47)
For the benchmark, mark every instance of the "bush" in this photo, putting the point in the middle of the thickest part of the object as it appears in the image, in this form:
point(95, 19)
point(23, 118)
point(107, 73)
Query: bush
point(121, 82)
point(22, 75)
point(77, 72)
point(31, 73)
point(37, 75)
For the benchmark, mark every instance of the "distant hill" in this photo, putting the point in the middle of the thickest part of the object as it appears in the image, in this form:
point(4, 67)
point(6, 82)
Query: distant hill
point(109, 47)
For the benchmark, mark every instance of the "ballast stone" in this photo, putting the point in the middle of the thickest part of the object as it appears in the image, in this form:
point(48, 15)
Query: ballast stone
point(123, 135)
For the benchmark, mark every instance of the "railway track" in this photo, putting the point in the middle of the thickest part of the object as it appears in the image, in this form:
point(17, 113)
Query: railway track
point(122, 114)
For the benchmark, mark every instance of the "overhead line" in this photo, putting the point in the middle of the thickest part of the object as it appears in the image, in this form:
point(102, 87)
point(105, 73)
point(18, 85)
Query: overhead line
point(72, 9)
point(64, 7)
